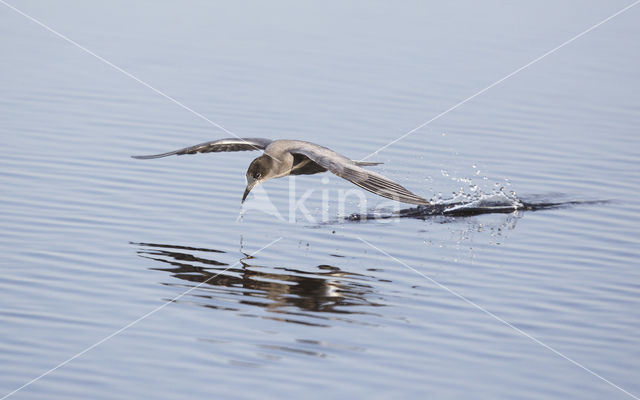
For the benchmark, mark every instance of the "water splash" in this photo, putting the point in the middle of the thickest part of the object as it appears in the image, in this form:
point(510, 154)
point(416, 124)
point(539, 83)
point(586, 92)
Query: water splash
point(471, 199)
point(498, 200)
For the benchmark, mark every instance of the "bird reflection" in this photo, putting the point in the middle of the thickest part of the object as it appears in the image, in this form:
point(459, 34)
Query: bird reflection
point(293, 295)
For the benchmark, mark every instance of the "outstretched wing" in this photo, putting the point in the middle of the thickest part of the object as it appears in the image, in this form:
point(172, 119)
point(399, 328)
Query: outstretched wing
point(232, 144)
point(349, 170)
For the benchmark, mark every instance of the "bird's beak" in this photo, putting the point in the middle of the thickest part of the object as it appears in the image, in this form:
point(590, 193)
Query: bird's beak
point(250, 185)
point(246, 192)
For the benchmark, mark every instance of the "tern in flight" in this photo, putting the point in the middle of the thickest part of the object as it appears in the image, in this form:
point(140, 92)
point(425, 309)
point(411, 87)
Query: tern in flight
point(297, 157)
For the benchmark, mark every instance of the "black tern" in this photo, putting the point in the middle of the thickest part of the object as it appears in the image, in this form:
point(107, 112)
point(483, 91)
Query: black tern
point(297, 157)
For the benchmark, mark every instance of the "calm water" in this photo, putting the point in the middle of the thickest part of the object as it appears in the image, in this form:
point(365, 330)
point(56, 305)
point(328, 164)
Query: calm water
point(92, 240)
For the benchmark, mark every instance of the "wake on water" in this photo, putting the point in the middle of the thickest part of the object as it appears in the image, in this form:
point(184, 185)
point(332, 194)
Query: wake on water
point(477, 203)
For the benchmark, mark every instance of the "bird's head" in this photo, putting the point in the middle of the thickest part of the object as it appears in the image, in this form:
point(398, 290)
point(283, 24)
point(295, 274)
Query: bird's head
point(257, 173)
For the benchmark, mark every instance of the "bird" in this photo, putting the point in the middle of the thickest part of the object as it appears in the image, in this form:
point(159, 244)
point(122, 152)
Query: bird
point(282, 157)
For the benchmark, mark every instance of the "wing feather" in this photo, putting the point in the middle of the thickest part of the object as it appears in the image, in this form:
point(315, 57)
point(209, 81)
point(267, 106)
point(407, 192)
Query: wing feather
point(349, 170)
point(216, 146)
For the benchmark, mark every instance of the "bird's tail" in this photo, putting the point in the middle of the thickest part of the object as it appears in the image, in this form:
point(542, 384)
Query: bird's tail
point(366, 163)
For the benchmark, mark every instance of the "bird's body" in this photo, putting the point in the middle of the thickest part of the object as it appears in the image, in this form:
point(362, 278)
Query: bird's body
point(297, 157)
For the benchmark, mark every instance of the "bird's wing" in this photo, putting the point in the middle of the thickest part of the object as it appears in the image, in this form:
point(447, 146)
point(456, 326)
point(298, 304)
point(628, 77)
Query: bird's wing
point(347, 169)
point(231, 144)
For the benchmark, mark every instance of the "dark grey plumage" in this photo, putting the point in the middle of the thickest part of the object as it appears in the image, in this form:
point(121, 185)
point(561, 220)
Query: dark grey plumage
point(297, 157)
point(216, 146)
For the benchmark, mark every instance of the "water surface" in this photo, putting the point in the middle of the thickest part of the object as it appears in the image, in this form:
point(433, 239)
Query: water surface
point(92, 240)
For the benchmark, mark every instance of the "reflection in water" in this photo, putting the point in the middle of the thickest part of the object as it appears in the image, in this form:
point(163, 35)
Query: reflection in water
point(287, 294)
